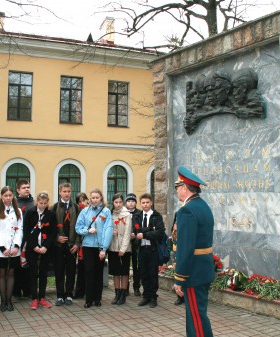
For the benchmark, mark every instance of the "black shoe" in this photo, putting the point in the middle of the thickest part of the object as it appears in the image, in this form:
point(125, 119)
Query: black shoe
point(10, 307)
point(87, 305)
point(3, 307)
point(117, 296)
point(137, 292)
point(179, 300)
point(97, 303)
point(122, 297)
point(153, 303)
point(143, 302)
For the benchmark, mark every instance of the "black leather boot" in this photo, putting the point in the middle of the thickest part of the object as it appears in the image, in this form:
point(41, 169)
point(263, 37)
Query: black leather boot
point(122, 297)
point(117, 296)
point(127, 290)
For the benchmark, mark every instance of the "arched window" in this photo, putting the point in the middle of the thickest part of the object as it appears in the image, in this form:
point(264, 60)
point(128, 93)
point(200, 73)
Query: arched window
point(70, 173)
point(116, 182)
point(16, 172)
point(152, 185)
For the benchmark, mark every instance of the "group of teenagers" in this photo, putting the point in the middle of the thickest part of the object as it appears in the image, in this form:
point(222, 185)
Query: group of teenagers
point(34, 235)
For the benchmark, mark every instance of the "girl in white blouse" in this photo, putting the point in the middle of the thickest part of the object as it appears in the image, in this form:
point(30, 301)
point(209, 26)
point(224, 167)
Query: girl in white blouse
point(10, 242)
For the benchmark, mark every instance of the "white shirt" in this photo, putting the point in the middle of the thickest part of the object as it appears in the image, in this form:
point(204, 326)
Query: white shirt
point(145, 242)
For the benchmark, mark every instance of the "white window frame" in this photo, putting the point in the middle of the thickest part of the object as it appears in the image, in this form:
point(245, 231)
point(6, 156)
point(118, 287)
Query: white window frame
point(56, 172)
point(24, 162)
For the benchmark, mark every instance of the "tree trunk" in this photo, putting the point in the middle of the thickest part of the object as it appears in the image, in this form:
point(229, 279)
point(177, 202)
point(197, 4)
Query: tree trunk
point(212, 18)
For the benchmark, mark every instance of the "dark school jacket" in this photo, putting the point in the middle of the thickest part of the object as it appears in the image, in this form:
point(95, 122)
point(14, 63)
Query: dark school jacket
point(153, 232)
point(31, 230)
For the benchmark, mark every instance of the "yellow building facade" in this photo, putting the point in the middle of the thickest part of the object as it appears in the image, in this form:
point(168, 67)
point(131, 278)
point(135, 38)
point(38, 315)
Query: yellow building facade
point(78, 112)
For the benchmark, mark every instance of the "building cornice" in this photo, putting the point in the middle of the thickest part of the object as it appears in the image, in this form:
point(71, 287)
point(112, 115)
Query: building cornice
point(77, 51)
point(72, 143)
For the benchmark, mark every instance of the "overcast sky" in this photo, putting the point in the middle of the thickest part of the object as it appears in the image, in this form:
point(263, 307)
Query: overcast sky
point(77, 19)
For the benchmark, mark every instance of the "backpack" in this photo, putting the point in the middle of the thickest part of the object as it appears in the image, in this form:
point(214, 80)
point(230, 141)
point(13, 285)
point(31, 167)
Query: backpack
point(163, 251)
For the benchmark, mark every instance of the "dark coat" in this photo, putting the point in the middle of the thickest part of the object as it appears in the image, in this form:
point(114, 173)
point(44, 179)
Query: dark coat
point(58, 208)
point(195, 223)
point(25, 204)
point(48, 228)
point(153, 232)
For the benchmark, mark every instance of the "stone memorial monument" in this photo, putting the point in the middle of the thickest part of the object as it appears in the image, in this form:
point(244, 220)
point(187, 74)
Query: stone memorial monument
point(220, 100)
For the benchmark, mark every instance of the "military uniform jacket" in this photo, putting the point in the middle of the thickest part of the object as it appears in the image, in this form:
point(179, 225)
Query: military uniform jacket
point(195, 225)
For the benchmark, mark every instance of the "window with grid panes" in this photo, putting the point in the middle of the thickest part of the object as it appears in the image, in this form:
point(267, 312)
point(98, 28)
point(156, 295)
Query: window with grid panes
point(117, 103)
point(116, 182)
point(70, 173)
point(71, 100)
point(16, 172)
point(20, 96)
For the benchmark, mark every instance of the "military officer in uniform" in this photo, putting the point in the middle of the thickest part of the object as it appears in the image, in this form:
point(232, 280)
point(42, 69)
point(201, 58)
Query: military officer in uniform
point(194, 270)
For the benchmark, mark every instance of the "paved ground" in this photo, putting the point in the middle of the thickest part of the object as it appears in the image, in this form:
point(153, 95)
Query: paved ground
point(128, 320)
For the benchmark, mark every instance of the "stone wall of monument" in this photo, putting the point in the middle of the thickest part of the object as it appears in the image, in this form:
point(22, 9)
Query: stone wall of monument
point(217, 111)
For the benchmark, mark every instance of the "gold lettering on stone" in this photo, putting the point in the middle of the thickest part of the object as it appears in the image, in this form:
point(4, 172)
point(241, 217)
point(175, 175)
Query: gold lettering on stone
point(214, 155)
point(230, 154)
point(256, 168)
point(266, 167)
point(261, 183)
point(265, 152)
point(239, 184)
point(253, 184)
point(247, 153)
point(237, 168)
point(266, 198)
point(226, 185)
point(242, 200)
point(246, 168)
point(220, 170)
point(247, 183)
point(228, 169)
point(222, 200)
point(243, 223)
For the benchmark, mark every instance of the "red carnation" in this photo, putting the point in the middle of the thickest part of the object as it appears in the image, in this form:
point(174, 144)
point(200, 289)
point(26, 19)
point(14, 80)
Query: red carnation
point(93, 218)
point(15, 228)
point(44, 236)
point(23, 208)
point(102, 217)
point(116, 222)
point(60, 225)
point(46, 224)
point(81, 206)
point(137, 226)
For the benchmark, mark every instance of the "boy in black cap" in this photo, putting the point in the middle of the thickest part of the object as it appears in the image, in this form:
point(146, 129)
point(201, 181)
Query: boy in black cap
point(130, 204)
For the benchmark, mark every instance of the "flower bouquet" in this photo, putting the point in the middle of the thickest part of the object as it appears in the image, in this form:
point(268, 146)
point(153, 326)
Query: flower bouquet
point(230, 278)
point(218, 264)
point(263, 287)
